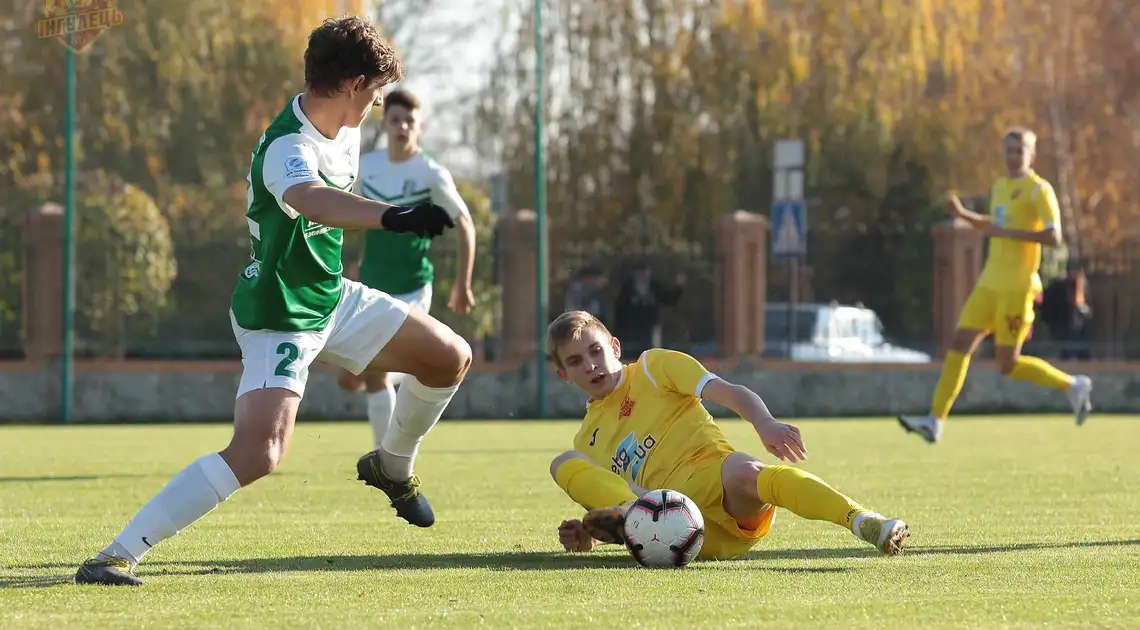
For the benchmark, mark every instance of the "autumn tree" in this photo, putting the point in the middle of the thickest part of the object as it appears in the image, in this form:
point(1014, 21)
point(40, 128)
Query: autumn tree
point(670, 109)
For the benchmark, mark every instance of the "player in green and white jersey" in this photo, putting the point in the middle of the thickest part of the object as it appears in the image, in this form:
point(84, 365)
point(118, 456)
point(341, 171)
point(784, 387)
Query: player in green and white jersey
point(292, 307)
point(398, 264)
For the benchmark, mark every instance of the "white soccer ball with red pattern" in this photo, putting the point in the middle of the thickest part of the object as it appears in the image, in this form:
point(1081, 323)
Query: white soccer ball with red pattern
point(664, 529)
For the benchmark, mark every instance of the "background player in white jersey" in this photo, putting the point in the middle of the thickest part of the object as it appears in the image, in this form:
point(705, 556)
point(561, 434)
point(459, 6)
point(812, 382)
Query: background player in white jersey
point(291, 305)
point(398, 263)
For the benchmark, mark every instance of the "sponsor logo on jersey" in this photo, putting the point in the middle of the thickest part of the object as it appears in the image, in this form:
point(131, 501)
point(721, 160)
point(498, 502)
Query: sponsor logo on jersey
point(999, 215)
point(77, 23)
point(252, 270)
point(297, 167)
point(631, 454)
point(315, 229)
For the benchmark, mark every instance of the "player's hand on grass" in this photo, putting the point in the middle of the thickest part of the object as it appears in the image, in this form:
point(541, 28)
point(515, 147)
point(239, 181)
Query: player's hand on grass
point(782, 440)
point(424, 219)
point(462, 299)
point(572, 534)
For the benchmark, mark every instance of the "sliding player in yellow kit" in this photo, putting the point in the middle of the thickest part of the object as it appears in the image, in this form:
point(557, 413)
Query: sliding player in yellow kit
point(645, 428)
point(1024, 217)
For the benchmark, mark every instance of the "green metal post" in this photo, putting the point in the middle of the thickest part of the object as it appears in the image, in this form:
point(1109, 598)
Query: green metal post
point(540, 206)
point(68, 238)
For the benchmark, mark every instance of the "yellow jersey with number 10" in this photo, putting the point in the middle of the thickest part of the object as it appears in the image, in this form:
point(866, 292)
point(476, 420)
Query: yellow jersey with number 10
point(653, 424)
point(1023, 203)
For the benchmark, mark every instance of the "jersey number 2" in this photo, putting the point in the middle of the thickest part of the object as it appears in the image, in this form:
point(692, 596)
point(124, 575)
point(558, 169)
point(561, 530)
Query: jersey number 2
point(289, 353)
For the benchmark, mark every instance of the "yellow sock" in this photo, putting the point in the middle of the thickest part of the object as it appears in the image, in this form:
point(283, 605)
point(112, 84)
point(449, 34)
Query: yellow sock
point(805, 495)
point(1039, 372)
point(592, 486)
point(949, 384)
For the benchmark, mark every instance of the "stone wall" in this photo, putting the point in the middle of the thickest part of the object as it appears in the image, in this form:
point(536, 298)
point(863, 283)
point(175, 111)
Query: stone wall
point(109, 391)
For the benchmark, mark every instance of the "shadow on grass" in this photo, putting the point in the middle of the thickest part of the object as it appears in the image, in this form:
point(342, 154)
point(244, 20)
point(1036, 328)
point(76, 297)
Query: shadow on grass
point(949, 550)
point(509, 561)
point(42, 478)
point(525, 561)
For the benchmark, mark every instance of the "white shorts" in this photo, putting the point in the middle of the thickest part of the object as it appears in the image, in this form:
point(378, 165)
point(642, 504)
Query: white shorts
point(364, 322)
point(420, 298)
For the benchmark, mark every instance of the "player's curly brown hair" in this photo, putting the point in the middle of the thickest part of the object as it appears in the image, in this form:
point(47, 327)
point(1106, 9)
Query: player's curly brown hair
point(343, 48)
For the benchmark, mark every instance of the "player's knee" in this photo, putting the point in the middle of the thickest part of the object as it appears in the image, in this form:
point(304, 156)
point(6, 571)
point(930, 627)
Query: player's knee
point(740, 478)
point(376, 381)
point(250, 463)
point(348, 381)
point(449, 363)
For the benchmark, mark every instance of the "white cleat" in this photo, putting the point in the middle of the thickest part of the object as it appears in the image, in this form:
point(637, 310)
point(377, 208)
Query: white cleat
point(1080, 396)
point(888, 535)
point(927, 427)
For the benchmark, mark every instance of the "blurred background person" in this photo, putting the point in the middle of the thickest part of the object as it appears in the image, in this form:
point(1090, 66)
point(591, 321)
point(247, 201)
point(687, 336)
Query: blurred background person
point(637, 310)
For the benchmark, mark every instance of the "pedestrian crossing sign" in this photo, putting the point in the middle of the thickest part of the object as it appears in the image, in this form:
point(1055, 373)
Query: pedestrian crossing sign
point(789, 229)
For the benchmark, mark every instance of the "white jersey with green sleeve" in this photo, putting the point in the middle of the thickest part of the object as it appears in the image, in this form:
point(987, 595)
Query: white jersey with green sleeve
point(293, 280)
point(398, 264)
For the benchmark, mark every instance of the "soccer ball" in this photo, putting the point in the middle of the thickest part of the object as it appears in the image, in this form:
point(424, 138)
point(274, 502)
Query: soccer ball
point(664, 529)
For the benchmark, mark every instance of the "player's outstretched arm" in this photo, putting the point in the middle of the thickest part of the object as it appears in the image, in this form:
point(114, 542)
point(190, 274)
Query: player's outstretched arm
point(955, 208)
point(337, 208)
point(1049, 237)
point(781, 440)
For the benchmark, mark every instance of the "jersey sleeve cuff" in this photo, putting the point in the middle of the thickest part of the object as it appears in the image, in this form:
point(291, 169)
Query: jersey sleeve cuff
point(704, 381)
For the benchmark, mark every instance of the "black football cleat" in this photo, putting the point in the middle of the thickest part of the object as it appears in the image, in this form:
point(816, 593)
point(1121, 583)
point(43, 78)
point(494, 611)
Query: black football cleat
point(411, 504)
point(107, 571)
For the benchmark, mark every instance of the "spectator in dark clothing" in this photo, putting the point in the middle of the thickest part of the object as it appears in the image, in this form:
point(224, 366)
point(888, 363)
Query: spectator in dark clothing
point(1065, 313)
point(587, 293)
point(637, 312)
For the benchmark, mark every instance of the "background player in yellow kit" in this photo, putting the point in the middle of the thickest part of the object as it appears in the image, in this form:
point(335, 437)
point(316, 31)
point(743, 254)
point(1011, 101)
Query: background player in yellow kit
point(645, 428)
point(1024, 217)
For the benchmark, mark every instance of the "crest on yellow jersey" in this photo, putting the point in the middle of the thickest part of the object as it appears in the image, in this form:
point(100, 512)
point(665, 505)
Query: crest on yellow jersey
point(1016, 193)
point(77, 23)
point(627, 404)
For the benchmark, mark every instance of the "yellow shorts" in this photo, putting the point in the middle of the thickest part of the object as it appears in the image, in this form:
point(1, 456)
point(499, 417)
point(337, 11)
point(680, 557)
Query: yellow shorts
point(724, 537)
point(1007, 314)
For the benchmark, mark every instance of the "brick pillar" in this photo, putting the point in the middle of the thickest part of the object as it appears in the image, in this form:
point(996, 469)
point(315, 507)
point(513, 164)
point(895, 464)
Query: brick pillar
point(517, 243)
point(42, 286)
point(741, 279)
point(957, 264)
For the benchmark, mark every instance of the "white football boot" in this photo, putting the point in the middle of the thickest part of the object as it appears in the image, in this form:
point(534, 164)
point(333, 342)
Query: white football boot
point(1080, 396)
point(888, 535)
point(928, 427)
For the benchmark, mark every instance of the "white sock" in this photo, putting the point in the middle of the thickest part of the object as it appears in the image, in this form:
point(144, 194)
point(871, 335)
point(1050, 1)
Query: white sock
point(189, 496)
point(380, 406)
point(418, 408)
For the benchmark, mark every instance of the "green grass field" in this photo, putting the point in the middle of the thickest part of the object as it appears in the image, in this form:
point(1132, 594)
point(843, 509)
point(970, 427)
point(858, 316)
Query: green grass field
point(1015, 522)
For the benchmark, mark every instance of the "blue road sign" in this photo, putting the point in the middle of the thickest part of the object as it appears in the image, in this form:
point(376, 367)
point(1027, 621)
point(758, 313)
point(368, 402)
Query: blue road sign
point(789, 229)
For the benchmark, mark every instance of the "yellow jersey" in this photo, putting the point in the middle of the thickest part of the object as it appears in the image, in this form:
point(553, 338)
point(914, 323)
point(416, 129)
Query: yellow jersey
point(1023, 203)
point(653, 423)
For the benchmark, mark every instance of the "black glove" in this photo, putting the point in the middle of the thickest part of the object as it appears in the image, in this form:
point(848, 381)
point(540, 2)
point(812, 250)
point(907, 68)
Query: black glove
point(425, 219)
